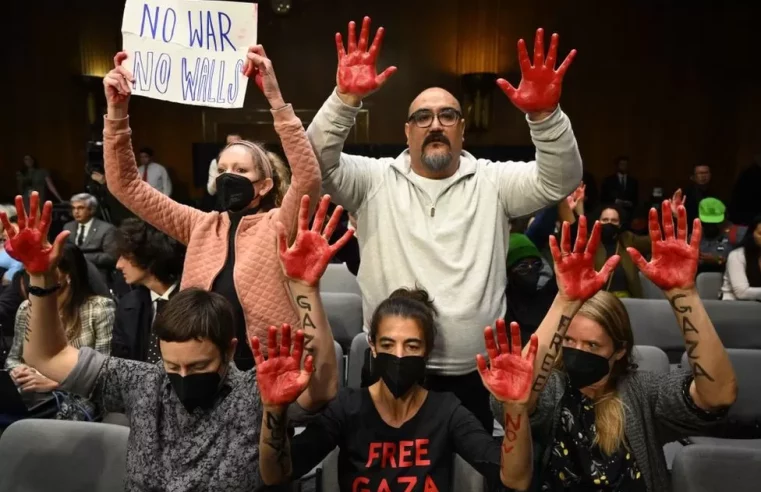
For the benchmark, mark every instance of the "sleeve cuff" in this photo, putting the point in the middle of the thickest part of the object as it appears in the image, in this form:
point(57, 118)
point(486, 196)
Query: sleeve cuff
point(552, 120)
point(284, 114)
point(342, 113)
point(115, 126)
point(81, 380)
point(707, 415)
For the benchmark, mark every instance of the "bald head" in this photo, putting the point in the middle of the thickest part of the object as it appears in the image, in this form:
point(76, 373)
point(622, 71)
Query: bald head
point(434, 98)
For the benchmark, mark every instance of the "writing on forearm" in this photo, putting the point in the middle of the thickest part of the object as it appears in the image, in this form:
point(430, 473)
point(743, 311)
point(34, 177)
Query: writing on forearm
point(278, 440)
point(552, 352)
point(689, 332)
point(303, 303)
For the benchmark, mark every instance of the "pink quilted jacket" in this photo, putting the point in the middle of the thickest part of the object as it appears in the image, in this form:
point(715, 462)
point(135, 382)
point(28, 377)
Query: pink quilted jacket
point(258, 277)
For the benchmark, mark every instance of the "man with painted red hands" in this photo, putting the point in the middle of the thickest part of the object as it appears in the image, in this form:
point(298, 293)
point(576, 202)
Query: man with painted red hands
point(436, 215)
point(194, 419)
point(596, 421)
point(395, 435)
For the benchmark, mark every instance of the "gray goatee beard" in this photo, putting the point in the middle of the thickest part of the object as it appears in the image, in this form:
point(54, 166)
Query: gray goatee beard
point(437, 162)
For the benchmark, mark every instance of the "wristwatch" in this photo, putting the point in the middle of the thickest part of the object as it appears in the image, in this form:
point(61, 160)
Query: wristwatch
point(43, 291)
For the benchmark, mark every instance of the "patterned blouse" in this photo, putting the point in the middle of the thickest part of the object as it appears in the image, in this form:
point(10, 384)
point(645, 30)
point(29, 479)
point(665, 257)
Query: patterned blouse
point(576, 464)
point(96, 316)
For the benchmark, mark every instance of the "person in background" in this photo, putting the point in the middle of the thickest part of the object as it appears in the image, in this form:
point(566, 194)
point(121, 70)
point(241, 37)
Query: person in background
point(152, 172)
point(531, 285)
point(715, 243)
point(194, 420)
point(8, 265)
point(396, 434)
point(742, 278)
point(621, 190)
point(233, 252)
point(415, 210)
point(211, 184)
point(11, 298)
point(90, 234)
point(625, 281)
point(34, 178)
point(697, 191)
point(151, 262)
point(597, 422)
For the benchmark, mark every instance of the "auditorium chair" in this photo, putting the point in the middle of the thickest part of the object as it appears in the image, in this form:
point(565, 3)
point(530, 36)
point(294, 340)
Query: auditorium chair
point(649, 289)
point(345, 316)
point(62, 456)
point(651, 359)
point(708, 468)
point(744, 416)
point(338, 278)
point(653, 323)
point(709, 285)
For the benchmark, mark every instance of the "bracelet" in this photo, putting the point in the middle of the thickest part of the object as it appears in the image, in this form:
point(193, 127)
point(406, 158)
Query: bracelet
point(43, 291)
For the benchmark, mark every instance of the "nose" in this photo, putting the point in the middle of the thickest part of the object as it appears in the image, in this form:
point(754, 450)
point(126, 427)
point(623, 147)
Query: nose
point(399, 350)
point(436, 125)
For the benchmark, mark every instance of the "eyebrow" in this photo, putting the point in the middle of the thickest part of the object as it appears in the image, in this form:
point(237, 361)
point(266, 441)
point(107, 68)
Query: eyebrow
point(406, 340)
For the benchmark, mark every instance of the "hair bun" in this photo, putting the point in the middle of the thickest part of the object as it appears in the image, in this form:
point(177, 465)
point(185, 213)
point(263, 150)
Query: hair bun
point(418, 295)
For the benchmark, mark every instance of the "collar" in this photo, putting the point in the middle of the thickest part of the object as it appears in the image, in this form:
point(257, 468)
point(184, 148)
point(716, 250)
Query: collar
point(88, 224)
point(467, 163)
point(165, 296)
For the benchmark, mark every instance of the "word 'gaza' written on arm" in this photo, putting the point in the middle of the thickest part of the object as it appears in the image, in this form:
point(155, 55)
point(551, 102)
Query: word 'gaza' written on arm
point(306, 321)
point(210, 77)
point(552, 352)
point(688, 332)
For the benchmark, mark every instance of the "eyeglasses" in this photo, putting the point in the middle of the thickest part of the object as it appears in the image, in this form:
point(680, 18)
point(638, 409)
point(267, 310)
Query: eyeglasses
point(423, 118)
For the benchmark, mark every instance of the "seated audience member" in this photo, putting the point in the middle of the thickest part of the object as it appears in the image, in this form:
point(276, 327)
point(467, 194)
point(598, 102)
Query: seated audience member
point(11, 298)
point(195, 419)
point(395, 433)
point(8, 266)
point(715, 244)
point(531, 285)
point(742, 278)
point(624, 282)
point(91, 234)
point(233, 252)
point(151, 262)
point(596, 421)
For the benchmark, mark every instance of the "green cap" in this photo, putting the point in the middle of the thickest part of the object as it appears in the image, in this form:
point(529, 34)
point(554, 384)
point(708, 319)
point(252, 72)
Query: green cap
point(520, 247)
point(711, 211)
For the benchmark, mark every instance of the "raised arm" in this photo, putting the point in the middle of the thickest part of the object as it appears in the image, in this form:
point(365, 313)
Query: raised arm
point(509, 378)
point(280, 379)
point(305, 171)
point(577, 282)
point(303, 264)
point(346, 177)
point(122, 178)
point(45, 345)
point(673, 268)
point(557, 171)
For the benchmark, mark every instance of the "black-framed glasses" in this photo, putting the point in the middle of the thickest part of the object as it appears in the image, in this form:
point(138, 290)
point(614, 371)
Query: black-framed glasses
point(423, 118)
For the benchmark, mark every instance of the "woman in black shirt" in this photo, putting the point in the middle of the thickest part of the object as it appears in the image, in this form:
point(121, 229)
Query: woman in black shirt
point(395, 435)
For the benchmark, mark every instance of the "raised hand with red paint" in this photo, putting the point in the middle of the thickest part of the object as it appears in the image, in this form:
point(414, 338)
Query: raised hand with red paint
point(259, 66)
point(357, 75)
point(509, 374)
point(577, 197)
point(118, 84)
point(575, 270)
point(538, 93)
point(281, 378)
point(29, 244)
point(674, 262)
point(306, 260)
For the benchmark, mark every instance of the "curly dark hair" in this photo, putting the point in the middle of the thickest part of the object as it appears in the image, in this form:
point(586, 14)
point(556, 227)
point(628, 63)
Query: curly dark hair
point(149, 249)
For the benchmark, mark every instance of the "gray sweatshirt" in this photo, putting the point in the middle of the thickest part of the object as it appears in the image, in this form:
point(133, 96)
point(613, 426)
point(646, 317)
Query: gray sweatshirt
point(450, 237)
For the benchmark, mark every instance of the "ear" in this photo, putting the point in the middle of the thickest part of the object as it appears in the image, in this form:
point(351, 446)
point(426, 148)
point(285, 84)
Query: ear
point(617, 356)
point(266, 186)
point(407, 133)
point(231, 351)
point(462, 130)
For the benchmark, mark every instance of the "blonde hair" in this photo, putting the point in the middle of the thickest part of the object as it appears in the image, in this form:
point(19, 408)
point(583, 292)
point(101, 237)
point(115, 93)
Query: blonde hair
point(609, 312)
point(269, 165)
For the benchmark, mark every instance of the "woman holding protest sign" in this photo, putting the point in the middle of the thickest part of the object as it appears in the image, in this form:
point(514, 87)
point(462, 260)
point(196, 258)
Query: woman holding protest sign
point(233, 252)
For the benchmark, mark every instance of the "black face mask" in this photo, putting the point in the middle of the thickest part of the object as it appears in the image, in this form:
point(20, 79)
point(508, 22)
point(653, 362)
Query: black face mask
point(399, 373)
point(609, 233)
point(234, 192)
point(196, 390)
point(524, 283)
point(584, 368)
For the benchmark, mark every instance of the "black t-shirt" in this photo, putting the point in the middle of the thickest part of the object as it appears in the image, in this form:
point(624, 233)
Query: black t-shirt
point(418, 456)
